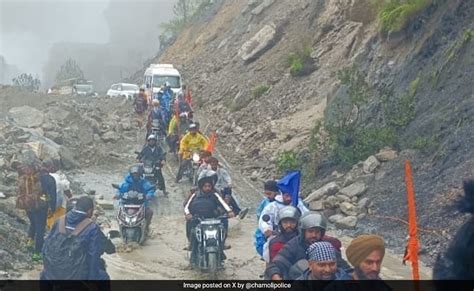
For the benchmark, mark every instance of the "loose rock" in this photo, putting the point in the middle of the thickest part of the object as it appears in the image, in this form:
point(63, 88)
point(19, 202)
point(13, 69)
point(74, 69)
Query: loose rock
point(355, 189)
point(328, 189)
point(370, 164)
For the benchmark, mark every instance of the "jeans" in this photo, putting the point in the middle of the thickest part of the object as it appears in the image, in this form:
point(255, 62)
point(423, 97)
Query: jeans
point(229, 199)
point(38, 218)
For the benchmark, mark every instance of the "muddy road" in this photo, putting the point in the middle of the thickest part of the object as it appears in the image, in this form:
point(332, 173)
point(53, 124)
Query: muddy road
point(162, 256)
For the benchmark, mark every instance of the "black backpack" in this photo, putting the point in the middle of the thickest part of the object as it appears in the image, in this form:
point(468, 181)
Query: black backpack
point(64, 257)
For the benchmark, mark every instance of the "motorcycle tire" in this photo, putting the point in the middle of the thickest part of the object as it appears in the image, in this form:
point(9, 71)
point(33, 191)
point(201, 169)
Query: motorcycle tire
point(191, 174)
point(212, 265)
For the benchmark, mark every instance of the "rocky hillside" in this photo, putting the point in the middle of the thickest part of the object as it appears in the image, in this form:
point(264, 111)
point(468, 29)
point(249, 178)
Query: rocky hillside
point(325, 85)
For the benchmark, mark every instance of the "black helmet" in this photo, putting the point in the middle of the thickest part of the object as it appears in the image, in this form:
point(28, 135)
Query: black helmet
point(288, 212)
point(312, 219)
point(207, 176)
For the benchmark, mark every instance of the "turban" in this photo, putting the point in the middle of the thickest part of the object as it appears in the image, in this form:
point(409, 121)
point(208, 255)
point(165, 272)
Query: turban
point(321, 251)
point(362, 246)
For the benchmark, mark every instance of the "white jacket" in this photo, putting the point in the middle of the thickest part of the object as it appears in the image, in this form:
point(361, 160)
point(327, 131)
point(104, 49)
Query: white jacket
point(272, 211)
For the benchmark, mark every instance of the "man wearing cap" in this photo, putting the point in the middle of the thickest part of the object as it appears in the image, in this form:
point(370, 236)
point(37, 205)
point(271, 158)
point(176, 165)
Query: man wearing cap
point(322, 263)
point(365, 253)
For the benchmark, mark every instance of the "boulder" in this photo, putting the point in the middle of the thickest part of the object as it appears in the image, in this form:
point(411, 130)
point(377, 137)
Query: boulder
point(344, 222)
point(258, 44)
point(330, 202)
point(370, 164)
point(342, 198)
point(335, 217)
point(26, 116)
point(348, 208)
point(68, 161)
point(316, 205)
point(328, 189)
point(259, 9)
point(110, 136)
point(355, 189)
point(363, 203)
point(254, 176)
point(386, 154)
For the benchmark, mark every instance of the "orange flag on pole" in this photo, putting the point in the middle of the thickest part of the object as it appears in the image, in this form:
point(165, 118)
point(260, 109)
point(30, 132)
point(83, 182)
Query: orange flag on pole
point(212, 142)
point(411, 253)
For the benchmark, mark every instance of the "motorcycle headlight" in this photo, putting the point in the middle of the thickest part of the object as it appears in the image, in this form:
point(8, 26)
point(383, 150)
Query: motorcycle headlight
point(196, 157)
point(211, 234)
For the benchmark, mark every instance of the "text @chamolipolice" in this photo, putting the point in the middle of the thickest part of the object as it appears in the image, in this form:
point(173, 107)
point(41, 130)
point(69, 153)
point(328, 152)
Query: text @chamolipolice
point(237, 285)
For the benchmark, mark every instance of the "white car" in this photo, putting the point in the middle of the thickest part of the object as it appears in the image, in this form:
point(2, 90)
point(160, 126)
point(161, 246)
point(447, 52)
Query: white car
point(123, 90)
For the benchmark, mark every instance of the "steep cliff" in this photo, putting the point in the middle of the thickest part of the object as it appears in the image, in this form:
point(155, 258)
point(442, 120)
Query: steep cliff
point(326, 84)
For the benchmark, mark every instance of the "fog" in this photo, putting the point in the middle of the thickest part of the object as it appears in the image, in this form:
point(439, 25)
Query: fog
point(38, 36)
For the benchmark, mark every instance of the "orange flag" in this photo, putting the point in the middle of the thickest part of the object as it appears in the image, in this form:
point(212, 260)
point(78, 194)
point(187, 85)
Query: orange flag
point(411, 253)
point(212, 142)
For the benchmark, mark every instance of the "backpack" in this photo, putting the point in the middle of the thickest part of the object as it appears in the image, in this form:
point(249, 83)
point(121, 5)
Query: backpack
point(64, 257)
point(29, 193)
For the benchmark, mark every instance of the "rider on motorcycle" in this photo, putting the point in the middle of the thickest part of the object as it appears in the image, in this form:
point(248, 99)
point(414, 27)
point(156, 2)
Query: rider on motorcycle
point(177, 128)
point(154, 153)
point(205, 203)
point(156, 113)
point(224, 186)
point(135, 182)
point(192, 141)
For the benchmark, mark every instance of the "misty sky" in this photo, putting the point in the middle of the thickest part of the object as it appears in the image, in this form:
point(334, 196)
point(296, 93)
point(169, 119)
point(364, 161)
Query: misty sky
point(29, 28)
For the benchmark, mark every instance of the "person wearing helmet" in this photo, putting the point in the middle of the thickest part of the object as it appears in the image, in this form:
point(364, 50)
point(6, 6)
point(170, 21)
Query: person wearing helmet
point(291, 260)
point(288, 218)
point(154, 153)
point(156, 113)
point(191, 141)
point(205, 203)
point(134, 181)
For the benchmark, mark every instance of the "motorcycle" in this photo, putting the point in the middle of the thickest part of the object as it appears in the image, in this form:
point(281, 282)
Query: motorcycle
point(160, 134)
point(131, 217)
point(208, 255)
point(192, 167)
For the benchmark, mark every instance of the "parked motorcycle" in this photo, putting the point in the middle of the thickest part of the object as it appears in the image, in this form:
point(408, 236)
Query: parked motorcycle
point(131, 217)
point(208, 255)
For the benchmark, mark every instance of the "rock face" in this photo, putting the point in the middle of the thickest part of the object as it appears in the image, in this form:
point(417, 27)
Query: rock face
point(26, 116)
point(258, 44)
point(370, 164)
point(259, 9)
point(328, 189)
point(316, 205)
point(354, 190)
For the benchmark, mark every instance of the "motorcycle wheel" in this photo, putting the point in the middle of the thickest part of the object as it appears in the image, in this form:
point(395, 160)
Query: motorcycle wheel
point(212, 264)
point(191, 174)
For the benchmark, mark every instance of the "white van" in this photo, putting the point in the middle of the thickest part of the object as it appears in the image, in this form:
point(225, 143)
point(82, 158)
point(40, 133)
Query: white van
point(157, 74)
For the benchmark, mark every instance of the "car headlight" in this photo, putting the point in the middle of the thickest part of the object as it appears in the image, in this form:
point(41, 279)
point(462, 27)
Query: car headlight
point(196, 157)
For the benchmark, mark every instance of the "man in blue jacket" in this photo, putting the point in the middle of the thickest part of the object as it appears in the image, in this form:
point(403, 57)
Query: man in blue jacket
point(134, 181)
point(91, 239)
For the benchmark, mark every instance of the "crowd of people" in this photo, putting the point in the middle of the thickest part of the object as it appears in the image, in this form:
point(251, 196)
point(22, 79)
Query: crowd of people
point(291, 239)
